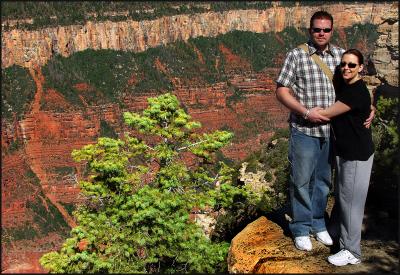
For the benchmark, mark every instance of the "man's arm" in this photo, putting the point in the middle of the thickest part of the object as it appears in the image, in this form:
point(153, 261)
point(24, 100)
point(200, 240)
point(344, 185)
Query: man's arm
point(289, 101)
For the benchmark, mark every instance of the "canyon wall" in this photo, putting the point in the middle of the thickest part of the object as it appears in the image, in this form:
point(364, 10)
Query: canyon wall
point(25, 48)
point(41, 167)
point(47, 138)
point(386, 53)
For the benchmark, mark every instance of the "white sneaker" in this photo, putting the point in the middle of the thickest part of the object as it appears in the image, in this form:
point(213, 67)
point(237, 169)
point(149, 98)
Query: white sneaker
point(343, 257)
point(324, 237)
point(303, 243)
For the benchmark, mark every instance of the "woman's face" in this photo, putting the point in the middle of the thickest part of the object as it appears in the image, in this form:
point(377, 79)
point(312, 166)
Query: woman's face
point(350, 68)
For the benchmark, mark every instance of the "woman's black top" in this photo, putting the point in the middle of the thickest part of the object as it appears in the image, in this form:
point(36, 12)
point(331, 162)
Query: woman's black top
point(353, 140)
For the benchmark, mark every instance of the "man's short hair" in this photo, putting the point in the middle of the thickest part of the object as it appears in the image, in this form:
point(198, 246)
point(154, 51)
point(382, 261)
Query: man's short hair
point(321, 15)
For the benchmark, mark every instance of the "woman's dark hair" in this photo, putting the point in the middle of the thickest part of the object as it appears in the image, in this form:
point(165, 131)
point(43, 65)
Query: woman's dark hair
point(321, 15)
point(357, 53)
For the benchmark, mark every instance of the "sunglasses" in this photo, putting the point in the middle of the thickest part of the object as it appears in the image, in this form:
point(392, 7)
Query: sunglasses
point(318, 30)
point(350, 65)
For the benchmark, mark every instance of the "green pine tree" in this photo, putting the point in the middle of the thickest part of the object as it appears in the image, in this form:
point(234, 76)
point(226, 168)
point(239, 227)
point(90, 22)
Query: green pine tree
point(139, 195)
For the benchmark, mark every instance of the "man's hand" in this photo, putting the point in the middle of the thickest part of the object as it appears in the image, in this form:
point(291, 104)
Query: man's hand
point(368, 122)
point(284, 95)
point(316, 117)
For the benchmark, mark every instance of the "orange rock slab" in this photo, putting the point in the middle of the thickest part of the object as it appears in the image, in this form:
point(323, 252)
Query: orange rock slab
point(261, 247)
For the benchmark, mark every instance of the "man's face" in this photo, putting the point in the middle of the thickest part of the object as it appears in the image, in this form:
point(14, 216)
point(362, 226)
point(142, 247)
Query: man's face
point(321, 32)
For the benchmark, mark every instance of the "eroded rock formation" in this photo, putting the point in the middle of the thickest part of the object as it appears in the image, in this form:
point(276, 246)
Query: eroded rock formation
point(26, 48)
point(46, 137)
point(262, 247)
point(386, 54)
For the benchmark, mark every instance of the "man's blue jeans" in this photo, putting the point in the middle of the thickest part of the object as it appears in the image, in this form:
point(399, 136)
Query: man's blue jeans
point(310, 180)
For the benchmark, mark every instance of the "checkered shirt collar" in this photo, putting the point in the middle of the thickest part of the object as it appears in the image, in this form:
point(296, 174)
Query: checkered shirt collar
point(312, 49)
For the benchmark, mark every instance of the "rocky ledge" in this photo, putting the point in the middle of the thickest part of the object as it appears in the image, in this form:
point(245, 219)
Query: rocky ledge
point(263, 247)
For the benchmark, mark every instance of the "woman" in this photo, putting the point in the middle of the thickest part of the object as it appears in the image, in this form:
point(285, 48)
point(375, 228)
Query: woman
point(354, 155)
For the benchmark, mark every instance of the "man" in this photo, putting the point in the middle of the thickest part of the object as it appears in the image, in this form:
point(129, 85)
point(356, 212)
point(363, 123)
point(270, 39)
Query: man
point(309, 146)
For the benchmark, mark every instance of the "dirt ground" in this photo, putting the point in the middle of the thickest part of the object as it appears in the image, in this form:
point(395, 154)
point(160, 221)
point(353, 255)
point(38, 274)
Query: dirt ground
point(379, 244)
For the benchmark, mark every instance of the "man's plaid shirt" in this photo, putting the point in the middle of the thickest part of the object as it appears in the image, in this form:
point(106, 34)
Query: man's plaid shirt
point(310, 85)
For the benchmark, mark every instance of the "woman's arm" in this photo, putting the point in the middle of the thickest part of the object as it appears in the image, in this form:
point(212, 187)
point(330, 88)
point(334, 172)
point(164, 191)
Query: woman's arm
point(336, 109)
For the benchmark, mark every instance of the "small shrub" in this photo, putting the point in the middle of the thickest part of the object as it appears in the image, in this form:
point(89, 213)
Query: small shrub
point(384, 185)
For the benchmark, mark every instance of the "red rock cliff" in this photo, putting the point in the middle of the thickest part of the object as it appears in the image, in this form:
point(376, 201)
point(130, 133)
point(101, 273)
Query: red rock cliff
point(47, 137)
point(25, 48)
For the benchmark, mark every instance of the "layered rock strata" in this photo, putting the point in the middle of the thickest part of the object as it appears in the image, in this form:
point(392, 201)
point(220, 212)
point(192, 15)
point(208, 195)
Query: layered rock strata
point(47, 137)
point(26, 48)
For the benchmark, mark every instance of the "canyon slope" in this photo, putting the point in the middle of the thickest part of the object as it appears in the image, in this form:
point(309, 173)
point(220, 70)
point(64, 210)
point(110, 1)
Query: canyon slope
point(25, 48)
point(47, 120)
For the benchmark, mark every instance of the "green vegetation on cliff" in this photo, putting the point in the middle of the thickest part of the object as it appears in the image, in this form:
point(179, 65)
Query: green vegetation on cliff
point(106, 71)
point(106, 130)
point(200, 59)
point(112, 74)
point(17, 91)
point(53, 13)
point(384, 187)
point(262, 49)
point(273, 160)
point(43, 211)
point(15, 145)
point(46, 219)
point(22, 232)
point(360, 36)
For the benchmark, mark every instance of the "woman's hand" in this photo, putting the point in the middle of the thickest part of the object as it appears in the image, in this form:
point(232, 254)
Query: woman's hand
point(316, 116)
point(368, 122)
